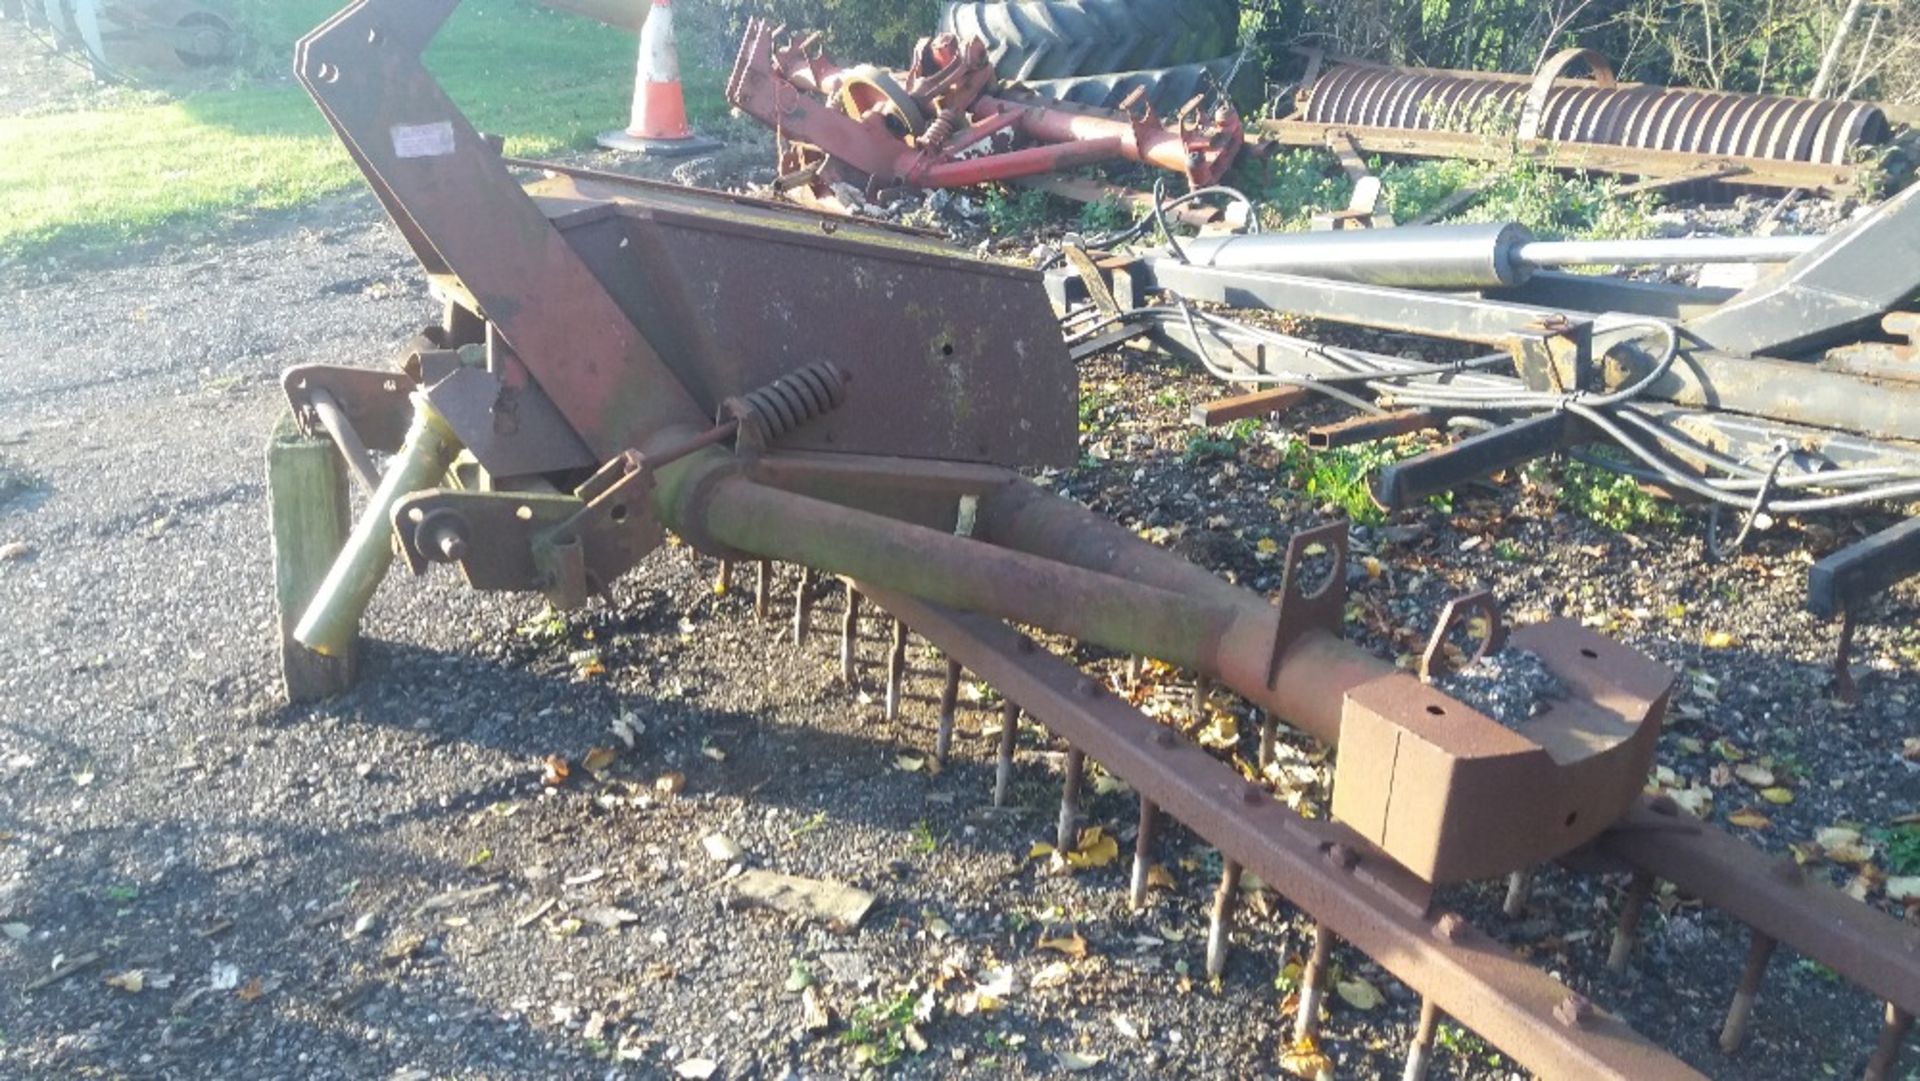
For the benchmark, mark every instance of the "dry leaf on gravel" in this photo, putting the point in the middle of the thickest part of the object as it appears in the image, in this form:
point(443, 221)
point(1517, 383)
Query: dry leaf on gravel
point(18, 932)
point(599, 759)
point(1072, 945)
point(1749, 818)
point(553, 771)
point(1757, 776)
point(697, 1069)
point(1843, 845)
point(132, 981)
point(1905, 889)
point(1779, 796)
point(253, 990)
point(1074, 1062)
point(1910, 750)
point(720, 847)
point(1159, 878)
point(628, 728)
point(14, 550)
point(1053, 974)
point(1305, 1060)
point(907, 763)
point(1096, 848)
point(1719, 640)
point(1359, 994)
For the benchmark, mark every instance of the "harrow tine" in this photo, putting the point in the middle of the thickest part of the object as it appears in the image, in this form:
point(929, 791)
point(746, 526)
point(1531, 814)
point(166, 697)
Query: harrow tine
point(896, 669)
point(1202, 690)
point(1420, 1055)
point(1893, 1033)
point(1313, 985)
point(1734, 1032)
point(1143, 852)
point(1519, 886)
point(1638, 891)
point(949, 705)
point(1068, 831)
point(723, 583)
point(803, 606)
point(1225, 899)
point(1269, 731)
point(762, 587)
point(1003, 768)
point(1136, 667)
point(850, 638)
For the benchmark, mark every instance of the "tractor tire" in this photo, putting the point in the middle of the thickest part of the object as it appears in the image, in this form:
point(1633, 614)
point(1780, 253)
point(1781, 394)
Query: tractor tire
point(1168, 89)
point(1060, 39)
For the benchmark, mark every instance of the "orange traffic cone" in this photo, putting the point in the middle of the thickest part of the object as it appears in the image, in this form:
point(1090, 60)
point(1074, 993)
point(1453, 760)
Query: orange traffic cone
point(659, 122)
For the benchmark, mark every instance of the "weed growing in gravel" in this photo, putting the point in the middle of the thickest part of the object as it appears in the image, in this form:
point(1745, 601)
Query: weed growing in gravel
point(1611, 499)
point(878, 1030)
point(1464, 1045)
point(1015, 213)
point(1902, 846)
point(1342, 477)
point(545, 629)
point(1106, 215)
point(1508, 552)
point(924, 843)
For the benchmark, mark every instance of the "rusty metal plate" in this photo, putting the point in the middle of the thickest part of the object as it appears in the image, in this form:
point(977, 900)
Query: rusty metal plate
point(950, 357)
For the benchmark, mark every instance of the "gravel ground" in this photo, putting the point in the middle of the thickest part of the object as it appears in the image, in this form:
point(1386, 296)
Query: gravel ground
point(386, 887)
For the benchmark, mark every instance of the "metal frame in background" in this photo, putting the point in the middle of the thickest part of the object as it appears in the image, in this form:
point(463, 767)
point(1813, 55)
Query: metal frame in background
point(1725, 398)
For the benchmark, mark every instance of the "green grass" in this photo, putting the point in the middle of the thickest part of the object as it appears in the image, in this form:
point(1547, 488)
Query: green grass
point(877, 1030)
point(139, 166)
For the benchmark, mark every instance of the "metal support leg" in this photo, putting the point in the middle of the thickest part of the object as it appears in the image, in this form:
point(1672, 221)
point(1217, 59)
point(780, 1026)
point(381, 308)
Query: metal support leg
point(762, 589)
point(1068, 831)
point(1313, 985)
point(949, 706)
point(803, 606)
point(1003, 769)
point(1519, 885)
point(1420, 1055)
point(1638, 891)
point(850, 639)
point(896, 669)
point(1225, 899)
point(1143, 852)
point(1734, 1032)
point(1893, 1033)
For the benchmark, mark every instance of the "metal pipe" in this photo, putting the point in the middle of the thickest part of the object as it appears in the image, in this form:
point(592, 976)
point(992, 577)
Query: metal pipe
point(1668, 251)
point(1470, 256)
point(332, 619)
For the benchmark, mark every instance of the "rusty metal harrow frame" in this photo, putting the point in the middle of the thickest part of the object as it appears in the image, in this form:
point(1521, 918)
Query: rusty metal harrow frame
point(619, 359)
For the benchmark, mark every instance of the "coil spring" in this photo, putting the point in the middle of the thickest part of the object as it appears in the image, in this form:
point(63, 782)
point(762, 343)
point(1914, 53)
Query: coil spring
point(788, 402)
point(941, 129)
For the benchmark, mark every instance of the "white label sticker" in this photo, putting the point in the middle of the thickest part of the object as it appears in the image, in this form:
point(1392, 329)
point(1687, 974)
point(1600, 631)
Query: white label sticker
point(423, 140)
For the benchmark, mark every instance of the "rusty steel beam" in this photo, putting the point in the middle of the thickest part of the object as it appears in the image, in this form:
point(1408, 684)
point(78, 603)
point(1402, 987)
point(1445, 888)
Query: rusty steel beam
point(1325, 869)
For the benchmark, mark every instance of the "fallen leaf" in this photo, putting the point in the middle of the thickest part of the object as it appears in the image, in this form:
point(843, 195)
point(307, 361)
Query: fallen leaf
point(1755, 775)
point(714, 753)
point(1719, 640)
point(553, 771)
point(1126, 1026)
point(1072, 945)
point(1844, 845)
point(1159, 878)
point(1905, 890)
point(253, 990)
point(1097, 848)
point(1359, 994)
point(1778, 796)
point(1305, 1060)
point(670, 784)
point(909, 764)
point(14, 550)
point(1074, 1062)
point(599, 759)
point(15, 931)
point(1749, 818)
point(697, 1069)
point(223, 977)
point(1910, 749)
point(814, 1015)
point(132, 981)
point(1040, 850)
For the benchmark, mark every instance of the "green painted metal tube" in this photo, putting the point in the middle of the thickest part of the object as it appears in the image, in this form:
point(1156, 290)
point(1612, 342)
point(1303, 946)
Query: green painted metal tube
point(332, 619)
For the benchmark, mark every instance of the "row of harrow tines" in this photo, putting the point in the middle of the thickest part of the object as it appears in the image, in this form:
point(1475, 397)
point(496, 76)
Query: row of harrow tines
point(617, 360)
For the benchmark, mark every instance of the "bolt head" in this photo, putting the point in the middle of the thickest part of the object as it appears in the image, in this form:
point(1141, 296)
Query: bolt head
point(1573, 1011)
point(1450, 926)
